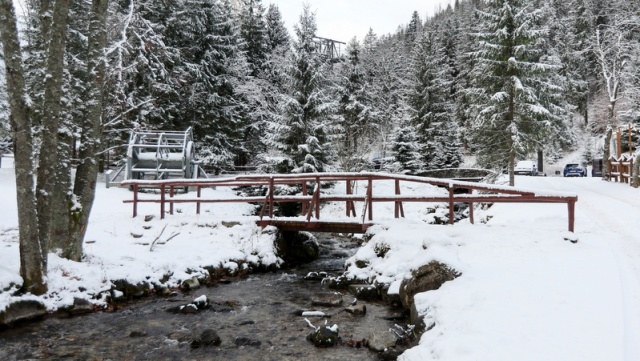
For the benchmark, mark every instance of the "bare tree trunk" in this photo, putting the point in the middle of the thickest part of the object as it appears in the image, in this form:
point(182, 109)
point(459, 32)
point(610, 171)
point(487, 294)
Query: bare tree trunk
point(512, 146)
point(87, 172)
point(636, 172)
point(32, 260)
point(606, 174)
point(49, 194)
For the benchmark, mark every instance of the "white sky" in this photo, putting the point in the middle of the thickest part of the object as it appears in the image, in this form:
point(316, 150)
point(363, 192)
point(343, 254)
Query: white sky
point(343, 19)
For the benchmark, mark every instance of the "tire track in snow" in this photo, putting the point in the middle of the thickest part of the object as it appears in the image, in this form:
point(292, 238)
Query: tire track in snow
point(613, 211)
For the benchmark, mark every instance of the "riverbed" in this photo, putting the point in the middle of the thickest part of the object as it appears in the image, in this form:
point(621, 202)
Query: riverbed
point(257, 317)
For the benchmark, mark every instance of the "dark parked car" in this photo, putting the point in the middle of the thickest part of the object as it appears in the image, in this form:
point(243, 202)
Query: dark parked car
point(574, 170)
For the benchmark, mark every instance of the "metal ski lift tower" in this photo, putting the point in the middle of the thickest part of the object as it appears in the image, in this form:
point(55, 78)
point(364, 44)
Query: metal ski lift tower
point(328, 48)
point(158, 154)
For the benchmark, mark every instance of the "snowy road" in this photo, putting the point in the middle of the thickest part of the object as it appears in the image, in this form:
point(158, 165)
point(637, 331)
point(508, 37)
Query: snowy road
point(612, 212)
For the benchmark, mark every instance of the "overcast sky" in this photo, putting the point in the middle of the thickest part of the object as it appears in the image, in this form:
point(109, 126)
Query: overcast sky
point(343, 19)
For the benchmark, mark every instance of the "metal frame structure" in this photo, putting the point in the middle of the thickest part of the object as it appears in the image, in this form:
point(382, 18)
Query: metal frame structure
point(159, 154)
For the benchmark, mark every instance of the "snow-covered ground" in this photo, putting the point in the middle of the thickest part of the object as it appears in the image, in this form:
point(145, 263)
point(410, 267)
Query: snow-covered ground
point(525, 293)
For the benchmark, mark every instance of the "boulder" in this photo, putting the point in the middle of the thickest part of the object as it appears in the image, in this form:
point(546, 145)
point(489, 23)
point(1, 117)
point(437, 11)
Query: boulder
point(80, 306)
point(380, 341)
point(324, 336)
point(426, 278)
point(208, 337)
point(297, 248)
point(190, 284)
point(327, 299)
point(364, 292)
point(339, 282)
point(246, 341)
point(201, 302)
point(190, 308)
point(22, 310)
point(131, 290)
point(180, 336)
point(357, 310)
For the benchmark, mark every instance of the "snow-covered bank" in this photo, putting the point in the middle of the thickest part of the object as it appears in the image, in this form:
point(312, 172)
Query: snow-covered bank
point(119, 247)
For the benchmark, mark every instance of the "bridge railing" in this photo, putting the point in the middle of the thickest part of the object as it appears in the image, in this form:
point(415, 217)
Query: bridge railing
point(311, 200)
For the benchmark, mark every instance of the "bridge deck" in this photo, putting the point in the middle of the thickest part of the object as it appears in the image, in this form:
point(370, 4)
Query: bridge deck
point(316, 226)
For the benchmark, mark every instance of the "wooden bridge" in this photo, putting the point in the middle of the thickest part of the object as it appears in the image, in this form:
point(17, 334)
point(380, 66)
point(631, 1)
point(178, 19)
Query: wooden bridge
point(311, 197)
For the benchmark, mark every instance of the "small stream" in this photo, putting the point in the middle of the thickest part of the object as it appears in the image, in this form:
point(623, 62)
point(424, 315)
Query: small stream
point(256, 318)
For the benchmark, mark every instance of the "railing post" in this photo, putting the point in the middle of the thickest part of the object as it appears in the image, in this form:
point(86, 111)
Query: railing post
point(348, 203)
point(171, 188)
point(271, 190)
point(198, 192)
point(399, 210)
point(135, 200)
point(317, 198)
point(451, 214)
point(370, 197)
point(304, 202)
point(572, 211)
point(162, 197)
point(471, 212)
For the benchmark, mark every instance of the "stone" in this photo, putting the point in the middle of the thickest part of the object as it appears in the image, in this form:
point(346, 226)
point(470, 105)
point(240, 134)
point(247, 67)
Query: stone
point(360, 263)
point(201, 302)
point(327, 299)
point(324, 336)
point(22, 310)
point(190, 308)
point(131, 290)
point(415, 317)
point(180, 336)
point(208, 337)
point(137, 333)
point(357, 310)
point(337, 283)
point(297, 248)
point(245, 341)
point(149, 217)
point(380, 341)
point(80, 306)
point(230, 224)
point(190, 284)
point(364, 292)
point(426, 278)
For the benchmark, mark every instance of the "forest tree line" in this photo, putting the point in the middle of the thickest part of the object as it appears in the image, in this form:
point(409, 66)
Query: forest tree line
point(498, 80)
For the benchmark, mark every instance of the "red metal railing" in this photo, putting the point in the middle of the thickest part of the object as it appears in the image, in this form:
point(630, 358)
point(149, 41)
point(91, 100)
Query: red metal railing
point(310, 203)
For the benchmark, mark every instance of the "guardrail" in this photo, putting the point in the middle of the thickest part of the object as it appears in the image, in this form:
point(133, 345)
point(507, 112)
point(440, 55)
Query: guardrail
point(311, 201)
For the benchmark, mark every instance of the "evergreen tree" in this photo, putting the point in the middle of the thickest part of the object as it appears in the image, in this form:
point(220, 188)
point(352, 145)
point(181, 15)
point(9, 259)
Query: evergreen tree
point(406, 150)
point(517, 103)
point(388, 82)
point(413, 29)
point(211, 68)
point(431, 102)
point(304, 130)
point(277, 35)
point(254, 34)
point(354, 109)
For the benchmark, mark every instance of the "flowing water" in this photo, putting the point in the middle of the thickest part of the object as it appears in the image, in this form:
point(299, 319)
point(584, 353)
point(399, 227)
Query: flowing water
point(256, 318)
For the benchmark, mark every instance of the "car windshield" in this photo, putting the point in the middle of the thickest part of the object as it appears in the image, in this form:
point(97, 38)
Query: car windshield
point(575, 165)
